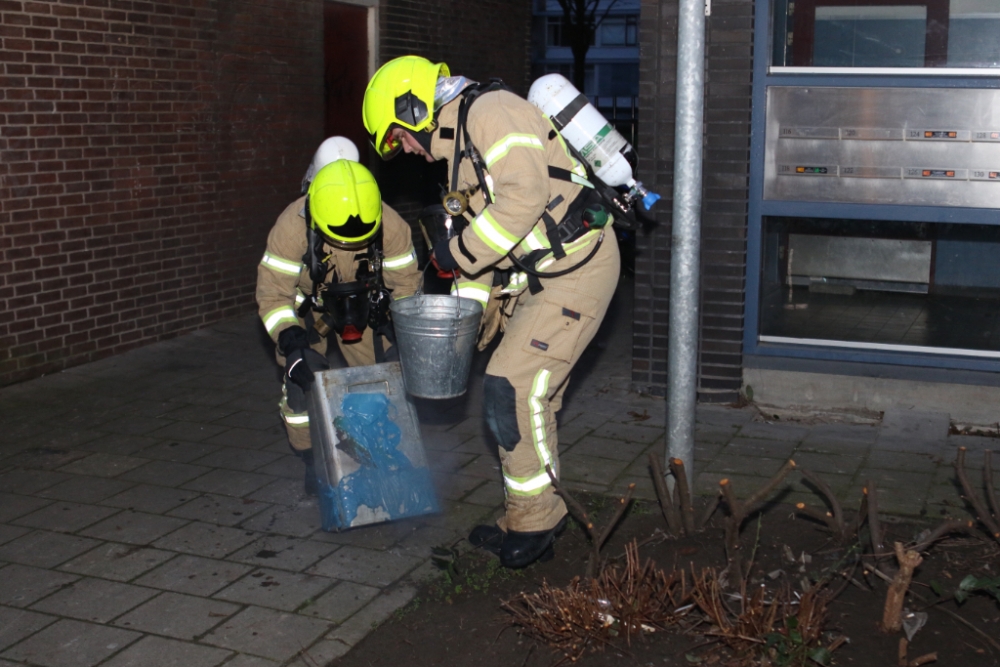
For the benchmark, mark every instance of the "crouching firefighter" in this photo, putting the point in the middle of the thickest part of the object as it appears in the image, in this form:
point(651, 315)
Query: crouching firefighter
point(534, 252)
point(334, 260)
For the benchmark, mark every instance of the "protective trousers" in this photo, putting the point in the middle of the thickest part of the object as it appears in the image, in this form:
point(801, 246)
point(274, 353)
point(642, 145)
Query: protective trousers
point(293, 401)
point(527, 376)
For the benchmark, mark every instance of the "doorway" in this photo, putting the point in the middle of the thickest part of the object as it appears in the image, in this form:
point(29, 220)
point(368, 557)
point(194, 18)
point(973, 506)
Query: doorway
point(345, 71)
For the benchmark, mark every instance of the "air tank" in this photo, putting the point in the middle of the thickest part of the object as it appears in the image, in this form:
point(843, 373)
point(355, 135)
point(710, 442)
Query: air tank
point(609, 155)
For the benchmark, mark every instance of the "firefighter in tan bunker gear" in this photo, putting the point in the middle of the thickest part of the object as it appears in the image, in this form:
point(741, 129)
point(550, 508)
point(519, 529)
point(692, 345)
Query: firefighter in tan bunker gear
point(525, 187)
point(352, 231)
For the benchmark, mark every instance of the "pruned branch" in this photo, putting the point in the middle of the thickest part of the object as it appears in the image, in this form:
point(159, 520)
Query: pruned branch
point(991, 494)
point(683, 495)
point(836, 514)
point(945, 528)
point(892, 613)
point(972, 497)
point(667, 506)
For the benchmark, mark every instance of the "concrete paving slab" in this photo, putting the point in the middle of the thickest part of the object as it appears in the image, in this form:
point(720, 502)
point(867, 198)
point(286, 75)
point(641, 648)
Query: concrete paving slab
point(133, 527)
point(608, 448)
point(150, 498)
point(774, 431)
point(284, 465)
point(165, 473)
point(119, 444)
point(290, 521)
point(365, 566)
point(85, 489)
point(100, 464)
point(823, 463)
point(174, 450)
point(323, 652)
point(65, 517)
point(243, 660)
point(14, 505)
point(190, 432)
point(247, 438)
point(69, 643)
point(633, 432)
point(8, 533)
point(16, 624)
point(275, 589)
point(744, 465)
point(220, 510)
point(283, 553)
point(24, 585)
point(44, 458)
point(281, 491)
point(770, 449)
point(591, 469)
point(176, 615)
point(168, 653)
point(193, 575)
point(204, 539)
point(96, 600)
point(267, 633)
point(229, 482)
point(29, 482)
point(42, 548)
point(119, 562)
point(912, 430)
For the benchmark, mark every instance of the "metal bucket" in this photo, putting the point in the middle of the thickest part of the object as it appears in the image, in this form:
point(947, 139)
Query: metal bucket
point(436, 335)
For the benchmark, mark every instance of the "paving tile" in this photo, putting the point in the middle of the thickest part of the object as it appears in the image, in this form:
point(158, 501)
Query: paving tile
point(771, 449)
point(61, 438)
point(150, 498)
point(167, 653)
point(488, 494)
point(165, 473)
point(45, 549)
point(822, 463)
point(203, 539)
point(44, 458)
point(229, 482)
point(244, 660)
point(134, 527)
point(186, 431)
point(90, 599)
point(271, 634)
point(176, 615)
point(607, 448)
point(255, 420)
point(119, 443)
point(16, 624)
point(198, 413)
point(197, 576)
point(247, 438)
point(485, 466)
point(221, 510)
point(234, 458)
point(69, 643)
point(119, 562)
point(283, 553)
point(65, 517)
point(375, 536)
point(8, 533)
point(340, 603)
point(29, 482)
point(591, 469)
point(714, 434)
point(365, 566)
point(629, 432)
point(912, 430)
point(85, 489)
point(136, 424)
point(300, 521)
point(281, 491)
point(323, 652)
point(275, 589)
point(446, 441)
point(285, 465)
point(103, 465)
point(744, 465)
point(13, 506)
point(378, 610)
point(774, 431)
point(910, 461)
point(23, 585)
point(455, 487)
point(179, 452)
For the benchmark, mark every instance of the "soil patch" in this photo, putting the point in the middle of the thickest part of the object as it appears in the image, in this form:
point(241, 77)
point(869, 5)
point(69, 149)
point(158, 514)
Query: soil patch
point(458, 618)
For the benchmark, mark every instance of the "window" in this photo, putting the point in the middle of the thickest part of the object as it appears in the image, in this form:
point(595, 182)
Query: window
point(887, 33)
point(619, 31)
point(554, 31)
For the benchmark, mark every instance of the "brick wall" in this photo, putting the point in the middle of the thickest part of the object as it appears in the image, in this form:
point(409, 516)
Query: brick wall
point(146, 149)
point(724, 211)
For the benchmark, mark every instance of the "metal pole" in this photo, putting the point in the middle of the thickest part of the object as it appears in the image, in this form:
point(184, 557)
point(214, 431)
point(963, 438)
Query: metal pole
point(682, 364)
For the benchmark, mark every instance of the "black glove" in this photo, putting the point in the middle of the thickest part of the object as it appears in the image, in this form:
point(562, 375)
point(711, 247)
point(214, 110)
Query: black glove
point(300, 366)
point(291, 339)
point(442, 257)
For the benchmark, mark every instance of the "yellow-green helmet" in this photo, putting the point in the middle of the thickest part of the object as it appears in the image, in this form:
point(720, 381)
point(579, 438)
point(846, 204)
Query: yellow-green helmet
point(345, 205)
point(401, 94)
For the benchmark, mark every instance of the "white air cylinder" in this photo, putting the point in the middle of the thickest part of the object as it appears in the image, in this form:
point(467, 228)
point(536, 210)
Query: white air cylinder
point(586, 130)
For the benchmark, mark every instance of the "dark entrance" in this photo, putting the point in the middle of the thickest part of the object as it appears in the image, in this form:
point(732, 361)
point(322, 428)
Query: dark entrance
point(345, 71)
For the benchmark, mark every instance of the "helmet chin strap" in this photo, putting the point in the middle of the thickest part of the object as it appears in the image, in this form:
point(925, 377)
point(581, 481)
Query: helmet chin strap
point(424, 137)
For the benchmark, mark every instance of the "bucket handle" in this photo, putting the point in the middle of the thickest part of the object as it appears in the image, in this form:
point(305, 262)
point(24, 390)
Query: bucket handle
point(454, 281)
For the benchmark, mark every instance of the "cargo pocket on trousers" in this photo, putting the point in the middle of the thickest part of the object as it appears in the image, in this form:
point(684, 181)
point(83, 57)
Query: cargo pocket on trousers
point(559, 323)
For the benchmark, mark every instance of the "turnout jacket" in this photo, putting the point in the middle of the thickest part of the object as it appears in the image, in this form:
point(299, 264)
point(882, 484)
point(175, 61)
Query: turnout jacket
point(517, 144)
point(283, 281)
